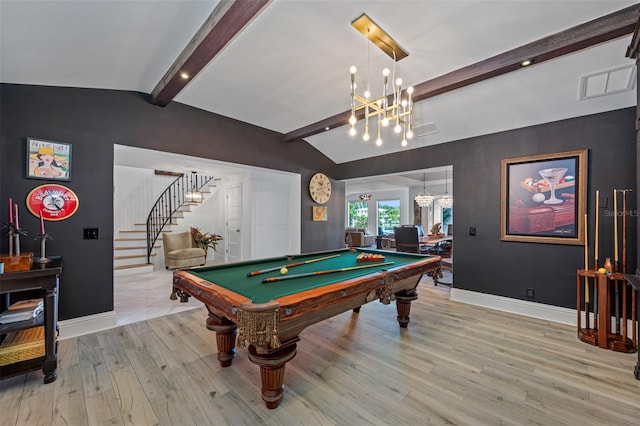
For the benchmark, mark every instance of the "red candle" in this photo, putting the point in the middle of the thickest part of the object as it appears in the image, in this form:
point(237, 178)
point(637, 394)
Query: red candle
point(41, 224)
point(10, 211)
point(15, 214)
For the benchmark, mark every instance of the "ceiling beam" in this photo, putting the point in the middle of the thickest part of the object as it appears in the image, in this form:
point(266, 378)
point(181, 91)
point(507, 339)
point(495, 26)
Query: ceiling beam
point(605, 28)
point(226, 21)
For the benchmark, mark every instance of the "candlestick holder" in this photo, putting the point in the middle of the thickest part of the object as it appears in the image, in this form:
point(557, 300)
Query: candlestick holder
point(11, 230)
point(43, 258)
point(16, 240)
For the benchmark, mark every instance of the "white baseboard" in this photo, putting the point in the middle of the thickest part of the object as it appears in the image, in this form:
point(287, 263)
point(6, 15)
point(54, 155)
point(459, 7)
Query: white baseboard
point(529, 309)
point(516, 306)
point(86, 325)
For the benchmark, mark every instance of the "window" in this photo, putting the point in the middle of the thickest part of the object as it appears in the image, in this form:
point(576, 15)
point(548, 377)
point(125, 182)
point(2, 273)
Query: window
point(388, 215)
point(447, 219)
point(358, 214)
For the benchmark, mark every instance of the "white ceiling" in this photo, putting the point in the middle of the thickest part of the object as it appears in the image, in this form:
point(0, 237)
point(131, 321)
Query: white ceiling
point(290, 66)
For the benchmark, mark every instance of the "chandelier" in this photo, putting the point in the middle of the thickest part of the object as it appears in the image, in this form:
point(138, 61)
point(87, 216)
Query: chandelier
point(365, 197)
point(424, 198)
point(446, 200)
point(193, 194)
point(390, 107)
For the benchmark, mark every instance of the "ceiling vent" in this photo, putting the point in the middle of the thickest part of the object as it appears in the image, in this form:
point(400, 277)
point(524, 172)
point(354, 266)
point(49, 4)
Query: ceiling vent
point(425, 129)
point(607, 82)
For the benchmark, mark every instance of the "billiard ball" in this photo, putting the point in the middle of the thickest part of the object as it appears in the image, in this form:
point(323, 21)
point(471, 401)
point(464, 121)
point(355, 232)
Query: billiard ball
point(283, 271)
point(538, 197)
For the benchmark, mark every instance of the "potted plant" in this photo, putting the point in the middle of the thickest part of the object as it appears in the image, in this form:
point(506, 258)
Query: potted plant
point(204, 240)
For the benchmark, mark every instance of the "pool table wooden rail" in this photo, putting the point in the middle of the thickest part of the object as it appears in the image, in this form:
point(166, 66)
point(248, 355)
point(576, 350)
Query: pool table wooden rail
point(271, 329)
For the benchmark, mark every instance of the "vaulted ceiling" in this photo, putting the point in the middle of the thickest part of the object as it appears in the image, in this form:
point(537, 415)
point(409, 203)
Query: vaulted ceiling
point(284, 65)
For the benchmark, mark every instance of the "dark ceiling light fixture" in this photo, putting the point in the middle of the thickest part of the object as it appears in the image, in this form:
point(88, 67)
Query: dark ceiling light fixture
point(389, 107)
point(365, 197)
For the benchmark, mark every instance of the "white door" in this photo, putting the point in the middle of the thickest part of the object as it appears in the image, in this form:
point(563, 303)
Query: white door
point(234, 215)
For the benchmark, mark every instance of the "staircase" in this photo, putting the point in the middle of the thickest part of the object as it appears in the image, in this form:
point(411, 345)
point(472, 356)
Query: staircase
point(132, 251)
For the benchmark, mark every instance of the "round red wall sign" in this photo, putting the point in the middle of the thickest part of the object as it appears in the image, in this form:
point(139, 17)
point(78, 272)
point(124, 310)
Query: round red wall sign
point(56, 202)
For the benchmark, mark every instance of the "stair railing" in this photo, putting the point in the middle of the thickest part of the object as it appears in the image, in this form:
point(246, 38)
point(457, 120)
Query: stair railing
point(169, 202)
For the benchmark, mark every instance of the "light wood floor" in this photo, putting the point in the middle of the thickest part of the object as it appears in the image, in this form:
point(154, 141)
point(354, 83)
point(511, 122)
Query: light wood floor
point(455, 364)
point(144, 296)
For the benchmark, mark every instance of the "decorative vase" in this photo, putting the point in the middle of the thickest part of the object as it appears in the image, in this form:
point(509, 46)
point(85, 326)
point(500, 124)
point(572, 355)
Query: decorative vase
point(608, 265)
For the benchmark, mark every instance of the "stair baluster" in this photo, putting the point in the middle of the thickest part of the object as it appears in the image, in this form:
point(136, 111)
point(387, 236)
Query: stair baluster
point(168, 203)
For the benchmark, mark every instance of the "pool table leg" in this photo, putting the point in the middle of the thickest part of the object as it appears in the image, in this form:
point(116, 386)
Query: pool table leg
point(225, 338)
point(272, 372)
point(403, 305)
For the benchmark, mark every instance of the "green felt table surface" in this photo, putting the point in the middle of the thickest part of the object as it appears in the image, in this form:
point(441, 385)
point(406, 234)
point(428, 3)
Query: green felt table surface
point(234, 276)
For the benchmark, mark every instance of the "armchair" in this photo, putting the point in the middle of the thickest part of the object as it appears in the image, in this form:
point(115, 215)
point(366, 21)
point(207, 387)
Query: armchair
point(358, 237)
point(179, 253)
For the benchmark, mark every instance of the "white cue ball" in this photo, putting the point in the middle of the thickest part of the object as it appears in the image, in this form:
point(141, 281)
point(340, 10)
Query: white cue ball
point(538, 197)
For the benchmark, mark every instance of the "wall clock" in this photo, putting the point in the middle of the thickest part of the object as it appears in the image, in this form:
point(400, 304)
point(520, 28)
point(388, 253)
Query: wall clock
point(56, 202)
point(320, 188)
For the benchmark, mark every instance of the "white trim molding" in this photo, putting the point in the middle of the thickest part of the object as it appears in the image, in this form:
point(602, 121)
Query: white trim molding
point(88, 324)
point(529, 309)
point(516, 306)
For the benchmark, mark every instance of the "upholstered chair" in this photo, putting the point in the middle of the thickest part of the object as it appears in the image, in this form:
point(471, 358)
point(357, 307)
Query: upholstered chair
point(179, 253)
point(407, 239)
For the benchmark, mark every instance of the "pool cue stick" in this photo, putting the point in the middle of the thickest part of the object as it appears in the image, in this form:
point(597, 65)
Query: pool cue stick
point(615, 230)
point(328, 271)
point(623, 318)
point(615, 258)
point(586, 268)
point(291, 265)
point(624, 230)
point(596, 238)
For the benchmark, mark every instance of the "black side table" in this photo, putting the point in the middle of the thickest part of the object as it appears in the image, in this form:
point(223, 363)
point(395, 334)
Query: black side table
point(45, 278)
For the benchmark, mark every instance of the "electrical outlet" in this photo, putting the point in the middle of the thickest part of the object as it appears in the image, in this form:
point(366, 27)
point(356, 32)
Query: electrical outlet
point(91, 233)
point(472, 230)
point(531, 293)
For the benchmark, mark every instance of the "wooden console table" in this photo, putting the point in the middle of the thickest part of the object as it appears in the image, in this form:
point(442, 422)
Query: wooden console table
point(601, 332)
point(43, 277)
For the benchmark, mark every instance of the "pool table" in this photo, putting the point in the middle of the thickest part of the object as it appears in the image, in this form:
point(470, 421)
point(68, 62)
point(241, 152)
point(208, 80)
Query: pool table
point(268, 317)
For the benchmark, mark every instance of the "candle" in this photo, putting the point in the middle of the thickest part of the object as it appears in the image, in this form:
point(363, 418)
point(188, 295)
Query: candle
point(615, 226)
point(10, 211)
point(15, 216)
point(596, 237)
point(41, 224)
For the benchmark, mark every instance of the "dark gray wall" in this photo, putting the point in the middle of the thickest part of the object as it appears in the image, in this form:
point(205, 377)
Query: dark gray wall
point(93, 121)
point(484, 263)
